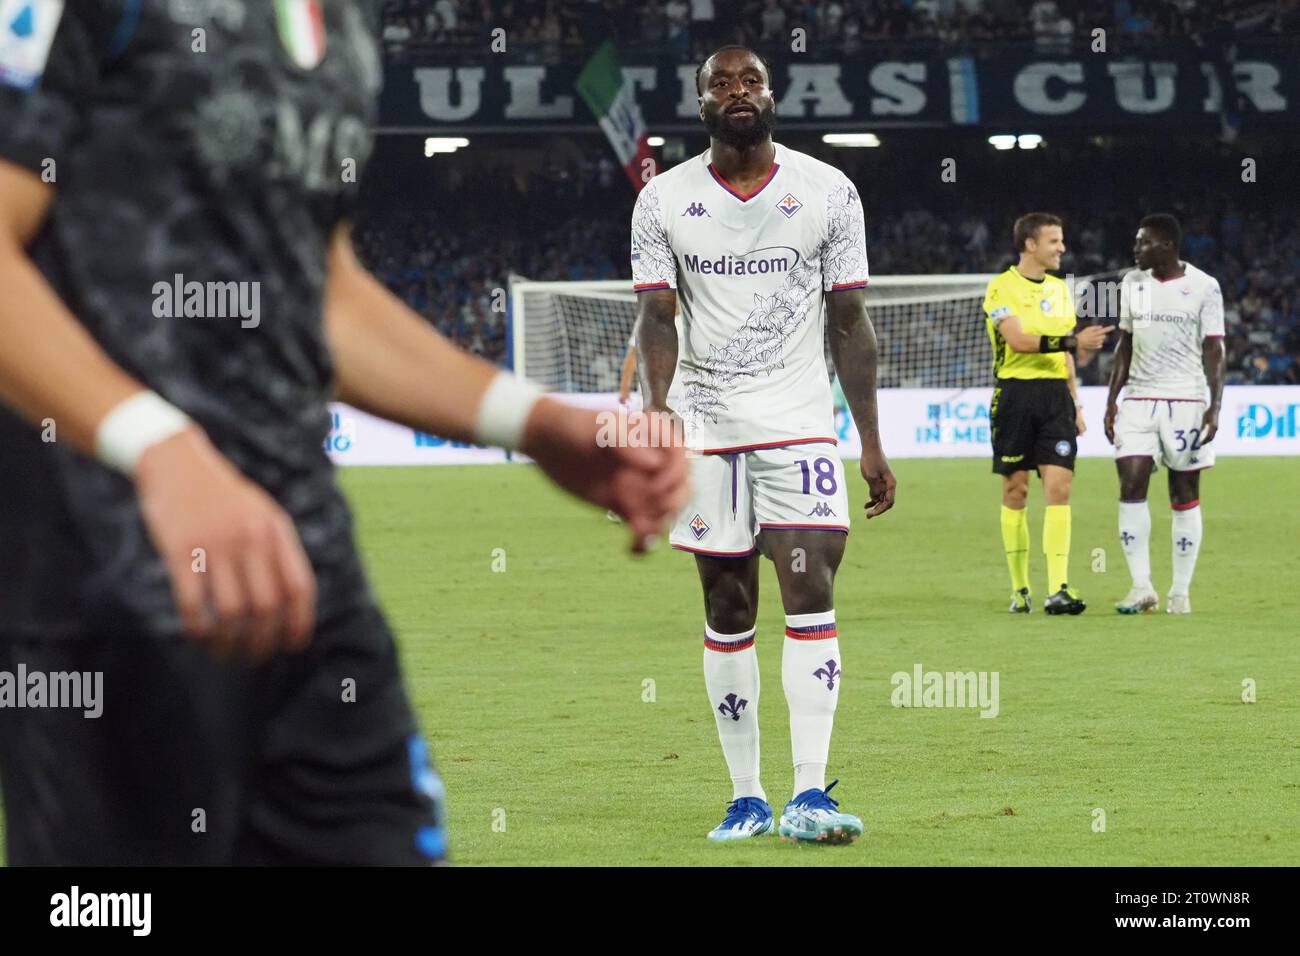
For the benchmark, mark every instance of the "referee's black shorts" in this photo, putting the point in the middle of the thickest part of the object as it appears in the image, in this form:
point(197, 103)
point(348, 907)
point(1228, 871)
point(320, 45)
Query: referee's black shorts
point(1033, 424)
point(310, 759)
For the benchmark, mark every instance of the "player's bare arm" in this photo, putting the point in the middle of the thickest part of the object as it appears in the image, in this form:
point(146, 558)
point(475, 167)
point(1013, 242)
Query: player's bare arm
point(657, 343)
point(391, 363)
point(1118, 379)
point(45, 344)
point(1090, 337)
point(1214, 358)
point(853, 350)
point(258, 592)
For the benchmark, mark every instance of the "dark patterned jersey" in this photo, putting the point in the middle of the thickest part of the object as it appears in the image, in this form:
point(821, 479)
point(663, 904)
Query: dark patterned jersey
point(202, 153)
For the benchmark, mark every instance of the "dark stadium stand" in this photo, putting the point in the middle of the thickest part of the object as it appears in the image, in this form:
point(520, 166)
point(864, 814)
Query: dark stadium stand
point(570, 222)
point(556, 205)
point(555, 28)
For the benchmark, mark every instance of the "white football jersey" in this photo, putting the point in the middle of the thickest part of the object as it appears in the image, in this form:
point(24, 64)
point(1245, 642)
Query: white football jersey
point(1169, 320)
point(750, 273)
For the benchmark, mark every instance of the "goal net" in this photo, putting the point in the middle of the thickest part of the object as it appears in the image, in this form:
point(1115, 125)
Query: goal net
point(572, 336)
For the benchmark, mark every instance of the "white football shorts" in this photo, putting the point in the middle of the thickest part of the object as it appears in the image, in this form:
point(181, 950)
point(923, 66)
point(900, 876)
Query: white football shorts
point(737, 494)
point(1165, 430)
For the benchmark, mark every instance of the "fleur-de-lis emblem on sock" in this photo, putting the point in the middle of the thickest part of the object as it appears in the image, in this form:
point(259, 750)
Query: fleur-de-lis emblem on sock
point(829, 673)
point(731, 706)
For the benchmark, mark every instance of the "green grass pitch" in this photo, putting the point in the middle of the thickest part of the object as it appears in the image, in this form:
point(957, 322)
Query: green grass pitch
point(530, 682)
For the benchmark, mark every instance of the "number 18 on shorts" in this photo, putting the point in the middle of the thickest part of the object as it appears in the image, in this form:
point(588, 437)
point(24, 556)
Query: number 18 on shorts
point(737, 494)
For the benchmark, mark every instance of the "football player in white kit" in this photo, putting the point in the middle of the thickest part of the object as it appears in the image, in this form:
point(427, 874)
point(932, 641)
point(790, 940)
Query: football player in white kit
point(761, 246)
point(1170, 360)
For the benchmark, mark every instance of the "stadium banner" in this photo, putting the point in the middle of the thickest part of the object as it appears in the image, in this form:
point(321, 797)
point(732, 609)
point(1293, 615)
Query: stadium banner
point(915, 423)
point(1015, 89)
point(948, 423)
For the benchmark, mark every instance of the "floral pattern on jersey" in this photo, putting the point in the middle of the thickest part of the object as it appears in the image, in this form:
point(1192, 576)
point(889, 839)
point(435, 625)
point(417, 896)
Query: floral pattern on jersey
point(844, 253)
point(756, 348)
point(758, 345)
point(652, 257)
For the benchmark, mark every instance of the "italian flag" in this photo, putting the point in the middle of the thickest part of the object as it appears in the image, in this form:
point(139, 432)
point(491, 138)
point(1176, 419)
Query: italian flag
point(302, 30)
point(602, 84)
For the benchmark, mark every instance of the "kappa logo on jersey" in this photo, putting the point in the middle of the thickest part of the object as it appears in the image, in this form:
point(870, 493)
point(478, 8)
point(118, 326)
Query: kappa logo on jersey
point(789, 205)
point(821, 510)
point(27, 29)
point(698, 527)
point(696, 209)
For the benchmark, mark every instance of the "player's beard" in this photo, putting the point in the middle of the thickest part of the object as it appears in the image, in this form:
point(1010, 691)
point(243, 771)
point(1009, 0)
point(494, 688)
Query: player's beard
point(741, 137)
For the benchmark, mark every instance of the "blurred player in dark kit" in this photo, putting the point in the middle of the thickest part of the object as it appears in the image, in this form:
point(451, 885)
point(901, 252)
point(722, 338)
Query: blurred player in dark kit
point(180, 302)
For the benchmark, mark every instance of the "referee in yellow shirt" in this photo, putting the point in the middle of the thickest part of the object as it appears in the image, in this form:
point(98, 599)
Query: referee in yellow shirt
point(1036, 413)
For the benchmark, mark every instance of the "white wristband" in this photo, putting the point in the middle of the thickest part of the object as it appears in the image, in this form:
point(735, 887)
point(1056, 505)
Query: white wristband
point(504, 411)
point(133, 427)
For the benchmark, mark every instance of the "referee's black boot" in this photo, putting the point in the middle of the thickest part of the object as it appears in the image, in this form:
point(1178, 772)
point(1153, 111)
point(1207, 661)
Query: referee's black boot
point(1064, 601)
point(1020, 602)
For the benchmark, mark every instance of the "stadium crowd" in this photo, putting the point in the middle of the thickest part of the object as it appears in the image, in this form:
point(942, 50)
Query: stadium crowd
point(549, 30)
point(570, 221)
point(449, 274)
point(558, 221)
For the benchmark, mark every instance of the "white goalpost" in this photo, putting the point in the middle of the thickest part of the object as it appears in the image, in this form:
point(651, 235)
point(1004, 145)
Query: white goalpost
point(572, 336)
